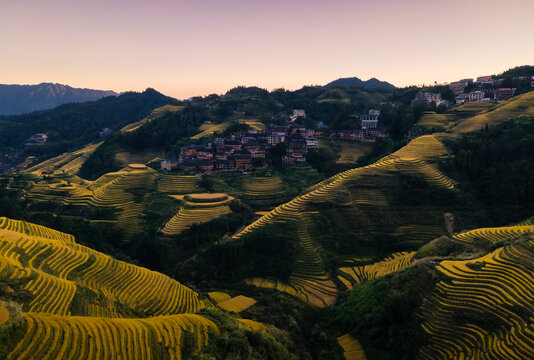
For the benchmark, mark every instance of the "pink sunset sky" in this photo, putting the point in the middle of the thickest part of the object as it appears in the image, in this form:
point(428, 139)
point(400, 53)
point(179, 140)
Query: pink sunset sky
point(187, 48)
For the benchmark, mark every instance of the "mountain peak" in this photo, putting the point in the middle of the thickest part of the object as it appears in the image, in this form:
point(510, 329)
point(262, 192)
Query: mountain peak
point(372, 83)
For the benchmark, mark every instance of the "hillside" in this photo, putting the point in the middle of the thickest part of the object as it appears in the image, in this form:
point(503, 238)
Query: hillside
point(20, 99)
point(72, 126)
point(62, 300)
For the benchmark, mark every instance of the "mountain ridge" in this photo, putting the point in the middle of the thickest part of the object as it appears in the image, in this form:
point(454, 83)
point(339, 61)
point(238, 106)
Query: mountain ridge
point(19, 99)
point(372, 83)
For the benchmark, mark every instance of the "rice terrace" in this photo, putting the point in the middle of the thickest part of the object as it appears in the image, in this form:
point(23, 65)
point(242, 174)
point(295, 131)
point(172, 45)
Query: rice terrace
point(233, 198)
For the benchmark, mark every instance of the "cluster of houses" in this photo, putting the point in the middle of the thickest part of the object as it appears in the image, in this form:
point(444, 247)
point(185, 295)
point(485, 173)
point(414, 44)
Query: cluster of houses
point(238, 152)
point(484, 88)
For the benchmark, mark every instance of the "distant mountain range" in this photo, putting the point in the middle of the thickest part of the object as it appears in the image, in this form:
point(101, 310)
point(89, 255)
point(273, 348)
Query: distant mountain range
point(372, 83)
point(20, 99)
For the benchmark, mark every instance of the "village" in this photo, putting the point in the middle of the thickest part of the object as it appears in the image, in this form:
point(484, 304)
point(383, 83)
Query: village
point(245, 150)
point(485, 88)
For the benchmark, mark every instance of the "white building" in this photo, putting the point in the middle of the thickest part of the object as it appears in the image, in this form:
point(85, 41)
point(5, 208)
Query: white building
point(369, 121)
point(475, 96)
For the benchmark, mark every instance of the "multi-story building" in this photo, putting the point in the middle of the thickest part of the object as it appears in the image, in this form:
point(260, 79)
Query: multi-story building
point(312, 143)
point(457, 87)
point(275, 139)
point(475, 95)
point(485, 79)
point(502, 94)
point(427, 98)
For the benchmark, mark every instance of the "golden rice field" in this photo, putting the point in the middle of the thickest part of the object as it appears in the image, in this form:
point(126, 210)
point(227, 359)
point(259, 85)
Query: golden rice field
point(474, 107)
point(75, 337)
point(254, 124)
point(264, 191)
point(177, 184)
point(485, 308)
point(433, 119)
point(153, 115)
point(431, 174)
point(351, 276)
point(208, 130)
point(67, 163)
point(522, 105)
point(494, 235)
point(351, 152)
point(197, 209)
point(276, 285)
point(417, 152)
point(54, 270)
point(128, 312)
point(218, 296)
point(4, 315)
point(114, 190)
point(352, 349)
point(236, 304)
point(309, 281)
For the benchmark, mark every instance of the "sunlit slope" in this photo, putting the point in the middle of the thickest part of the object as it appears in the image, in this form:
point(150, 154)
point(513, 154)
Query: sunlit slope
point(68, 163)
point(74, 337)
point(484, 307)
point(197, 209)
point(351, 276)
point(413, 158)
point(66, 278)
point(153, 115)
point(522, 105)
point(264, 192)
point(125, 191)
point(310, 280)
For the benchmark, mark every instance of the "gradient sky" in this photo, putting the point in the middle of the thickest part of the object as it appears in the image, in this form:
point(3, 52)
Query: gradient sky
point(187, 48)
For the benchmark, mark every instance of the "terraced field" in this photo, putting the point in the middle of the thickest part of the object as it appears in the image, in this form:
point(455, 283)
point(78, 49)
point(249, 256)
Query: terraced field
point(432, 119)
point(310, 280)
point(197, 209)
point(254, 124)
point(264, 192)
point(485, 308)
point(175, 184)
point(522, 105)
point(59, 274)
point(351, 276)
point(73, 337)
point(208, 130)
point(494, 235)
point(68, 163)
point(153, 115)
point(351, 152)
point(124, 191)
point(352, 349)
point(236, 304)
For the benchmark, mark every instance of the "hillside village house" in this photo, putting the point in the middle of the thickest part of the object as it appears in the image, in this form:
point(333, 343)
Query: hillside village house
point(476, 96)
point(427, 98)
point(502, 94)
point(370, 121)
point(485, 79)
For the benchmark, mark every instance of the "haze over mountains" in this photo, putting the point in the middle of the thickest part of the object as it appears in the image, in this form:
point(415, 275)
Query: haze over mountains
point(20, 99)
